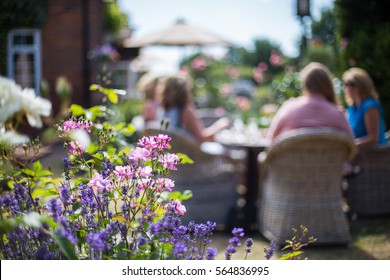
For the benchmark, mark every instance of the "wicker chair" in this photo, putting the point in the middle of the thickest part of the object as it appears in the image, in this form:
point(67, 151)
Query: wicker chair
point(212, 179)
point(301, 185)
point(369, 191)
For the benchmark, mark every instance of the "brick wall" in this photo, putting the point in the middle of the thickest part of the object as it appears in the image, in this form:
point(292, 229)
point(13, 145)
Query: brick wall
point(73, 27)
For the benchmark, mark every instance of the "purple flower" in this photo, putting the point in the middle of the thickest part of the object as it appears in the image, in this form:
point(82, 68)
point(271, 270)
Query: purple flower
point(176, 207)
point(239, 232)
point(54, 208)
point(270, 251)
point(230, 250)
point(211, 252)
point(249, 243)
point(65, 195)
point(179, 250)
point(235, 241)
point(96, 241)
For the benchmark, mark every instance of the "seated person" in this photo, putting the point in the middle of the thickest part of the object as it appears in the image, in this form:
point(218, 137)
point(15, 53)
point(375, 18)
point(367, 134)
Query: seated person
point(316, 107)
point(150, 87)
point(180, 110)
point(364, 113)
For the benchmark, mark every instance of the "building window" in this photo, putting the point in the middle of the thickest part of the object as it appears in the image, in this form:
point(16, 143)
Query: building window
point(24, 57)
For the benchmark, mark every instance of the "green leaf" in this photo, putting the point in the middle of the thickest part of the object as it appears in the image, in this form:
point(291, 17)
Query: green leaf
point(43, 173)
point(76, 110)
point(28, 172)
point(37, 166)
point(185, 159)
point(65, 245)
point(8, 225)
point(98, 156)
point(180, 196)
point(113, 97)
point(129, 130)
point(94, 87)
point(124, 151)
point(290, 255)
point(44, 192)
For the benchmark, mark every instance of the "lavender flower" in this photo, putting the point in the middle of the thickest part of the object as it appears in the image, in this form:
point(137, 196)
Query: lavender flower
point(65, 195)
point(249, 243)
point(54, 208)
point(270, 251)
point(211, 252)
point(234, 242)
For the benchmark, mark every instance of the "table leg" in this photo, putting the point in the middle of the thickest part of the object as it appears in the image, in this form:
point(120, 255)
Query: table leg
point(245, 216)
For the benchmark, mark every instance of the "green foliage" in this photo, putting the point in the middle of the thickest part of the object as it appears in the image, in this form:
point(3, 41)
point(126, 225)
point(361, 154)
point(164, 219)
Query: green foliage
point(114, 18)
point(295, 245)
point(285, 86)
point(365, 26)
point(22, 13)
point(261, 52)
point(320, 53)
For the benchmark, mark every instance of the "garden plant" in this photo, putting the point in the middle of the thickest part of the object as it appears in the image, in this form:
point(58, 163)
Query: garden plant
point(114, 200)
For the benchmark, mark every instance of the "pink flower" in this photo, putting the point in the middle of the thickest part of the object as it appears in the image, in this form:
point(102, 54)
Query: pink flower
point(139, 154)
point(176, 207)
point(227, 89)
point(276, 59)
point(72, 125)
point(164, 184)
point(101, 184)
point(199, 63)
point(233, 72)
point(153, 143)
point(262, 66)
point(68, 126)
point(76, 148)
point(124, 172)
point(145, 172)
point(258, 75)
point(143, 184)
point(169, 161)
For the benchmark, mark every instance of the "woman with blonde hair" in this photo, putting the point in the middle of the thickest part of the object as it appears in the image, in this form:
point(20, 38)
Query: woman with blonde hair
point(364, 113)
point(315, 107)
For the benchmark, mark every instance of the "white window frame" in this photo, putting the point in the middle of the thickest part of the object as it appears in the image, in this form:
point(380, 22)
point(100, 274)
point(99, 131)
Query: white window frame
point(34, 49)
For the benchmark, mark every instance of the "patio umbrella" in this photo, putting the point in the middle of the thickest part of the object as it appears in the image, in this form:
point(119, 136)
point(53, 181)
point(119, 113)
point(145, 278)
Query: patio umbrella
point(180, 34)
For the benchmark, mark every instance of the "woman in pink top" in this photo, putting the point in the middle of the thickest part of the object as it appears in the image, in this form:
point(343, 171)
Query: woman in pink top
point(316, 107)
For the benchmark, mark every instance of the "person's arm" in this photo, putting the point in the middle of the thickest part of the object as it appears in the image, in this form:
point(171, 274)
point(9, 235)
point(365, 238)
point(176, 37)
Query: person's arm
point(194, 125)
point(371, 121)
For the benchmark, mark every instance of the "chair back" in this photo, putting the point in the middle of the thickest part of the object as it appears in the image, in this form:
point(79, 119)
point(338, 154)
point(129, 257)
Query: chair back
point(302, 179)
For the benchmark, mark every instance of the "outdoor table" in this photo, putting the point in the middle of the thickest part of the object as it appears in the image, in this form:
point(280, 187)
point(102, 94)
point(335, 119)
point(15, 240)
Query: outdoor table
point(253, 143)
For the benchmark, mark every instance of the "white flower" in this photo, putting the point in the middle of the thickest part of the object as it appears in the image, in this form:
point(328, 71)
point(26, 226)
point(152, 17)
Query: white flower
point(35, 107)
point(12, 137)
point(10, 98)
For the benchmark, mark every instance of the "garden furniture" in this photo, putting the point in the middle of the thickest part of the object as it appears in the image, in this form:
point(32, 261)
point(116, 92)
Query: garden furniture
point(368, 192)
point(301, 185)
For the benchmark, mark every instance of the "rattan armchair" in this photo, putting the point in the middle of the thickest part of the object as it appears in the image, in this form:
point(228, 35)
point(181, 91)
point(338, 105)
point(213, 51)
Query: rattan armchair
point(211, 178)
point(301, 185)
point(369, 191)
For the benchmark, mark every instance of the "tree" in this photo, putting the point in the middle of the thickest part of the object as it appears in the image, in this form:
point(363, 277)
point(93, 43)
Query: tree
point(363, 28)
